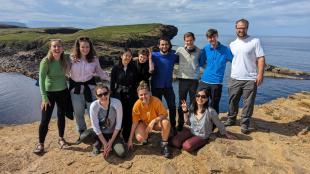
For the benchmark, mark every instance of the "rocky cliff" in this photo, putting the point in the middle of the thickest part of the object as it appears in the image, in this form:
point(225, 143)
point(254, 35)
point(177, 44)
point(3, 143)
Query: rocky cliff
point(22, 49)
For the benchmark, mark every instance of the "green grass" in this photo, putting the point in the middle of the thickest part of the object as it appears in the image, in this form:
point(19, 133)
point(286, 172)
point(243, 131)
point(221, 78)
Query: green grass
point(24, 37)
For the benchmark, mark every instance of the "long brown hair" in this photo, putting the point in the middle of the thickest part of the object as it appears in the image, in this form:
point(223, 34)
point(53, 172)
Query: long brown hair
point(205, 106)
point(63, 61)
point(76, 53)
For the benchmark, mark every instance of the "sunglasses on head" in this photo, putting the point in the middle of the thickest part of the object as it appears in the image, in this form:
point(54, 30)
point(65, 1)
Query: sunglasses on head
point(202, 96)
point(103, 94)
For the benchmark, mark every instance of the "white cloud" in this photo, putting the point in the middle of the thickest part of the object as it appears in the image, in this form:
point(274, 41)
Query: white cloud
point(199, 13)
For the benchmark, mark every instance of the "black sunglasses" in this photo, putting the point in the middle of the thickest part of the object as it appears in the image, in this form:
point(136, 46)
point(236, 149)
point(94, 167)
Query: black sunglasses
point(103, 94)
point(202, 96)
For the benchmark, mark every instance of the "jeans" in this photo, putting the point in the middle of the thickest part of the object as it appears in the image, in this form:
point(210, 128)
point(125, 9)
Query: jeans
point(215, 91)
point(188, 141)
point(247, 89)
point(169, 95)
point(79, 103)
point(186, 86)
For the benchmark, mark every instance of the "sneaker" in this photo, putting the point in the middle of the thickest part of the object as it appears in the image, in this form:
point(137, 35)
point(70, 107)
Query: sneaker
point(245, 129)
point(229, 122)
point(166, 151)
point(78, 141)
point(95, 151)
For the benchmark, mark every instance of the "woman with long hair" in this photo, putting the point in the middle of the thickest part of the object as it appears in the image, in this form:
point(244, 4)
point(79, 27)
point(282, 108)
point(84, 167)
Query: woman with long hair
point(200, 119)
point(53, 88)
point(85, 66)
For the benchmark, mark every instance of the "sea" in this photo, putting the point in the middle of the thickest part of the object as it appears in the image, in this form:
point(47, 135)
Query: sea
point(20, 97)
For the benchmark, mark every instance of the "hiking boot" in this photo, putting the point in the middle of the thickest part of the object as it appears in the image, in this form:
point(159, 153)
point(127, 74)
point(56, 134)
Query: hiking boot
point(245, 129)
point(229, 122)
point(166, 151)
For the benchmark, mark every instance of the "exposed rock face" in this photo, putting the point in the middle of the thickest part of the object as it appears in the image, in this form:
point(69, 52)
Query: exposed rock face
point(25, 57)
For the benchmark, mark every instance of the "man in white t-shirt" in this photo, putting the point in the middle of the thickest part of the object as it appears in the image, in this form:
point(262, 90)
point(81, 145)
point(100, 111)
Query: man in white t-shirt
point(247, 72)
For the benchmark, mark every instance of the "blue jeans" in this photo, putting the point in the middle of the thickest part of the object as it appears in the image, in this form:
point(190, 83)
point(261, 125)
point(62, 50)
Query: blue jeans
point(169, 95)
point(79, 103)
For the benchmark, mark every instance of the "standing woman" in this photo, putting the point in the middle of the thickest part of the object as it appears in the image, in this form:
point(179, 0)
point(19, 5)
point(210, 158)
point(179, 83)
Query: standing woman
point(85, 65)
point(123, 87)
point(201, 118)
point(53, 90)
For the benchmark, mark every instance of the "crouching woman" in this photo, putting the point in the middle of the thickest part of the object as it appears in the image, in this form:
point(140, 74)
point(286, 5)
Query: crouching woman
point(201, 120)
point(149, 114)
point(106, 119)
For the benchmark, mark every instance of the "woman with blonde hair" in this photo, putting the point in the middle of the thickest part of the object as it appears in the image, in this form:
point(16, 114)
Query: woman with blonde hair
point(53, 90)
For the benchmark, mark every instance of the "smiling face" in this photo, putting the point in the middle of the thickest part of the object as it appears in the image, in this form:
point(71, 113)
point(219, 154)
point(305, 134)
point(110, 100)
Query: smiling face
point(84, 48)
point(102, 95)
point(213, 40)
point(126, 58)
point(142, 58)
point(189, 42)
point(144, 95)
point(164, 46)
point(201, 97)
point(241, 29)
point(56, 48)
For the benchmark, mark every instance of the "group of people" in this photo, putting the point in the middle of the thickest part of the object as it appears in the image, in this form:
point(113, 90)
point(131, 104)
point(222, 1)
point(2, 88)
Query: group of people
point(131, 107)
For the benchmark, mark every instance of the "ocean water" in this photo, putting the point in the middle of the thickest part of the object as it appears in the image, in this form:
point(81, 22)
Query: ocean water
point(20, 98)
point(290, 52)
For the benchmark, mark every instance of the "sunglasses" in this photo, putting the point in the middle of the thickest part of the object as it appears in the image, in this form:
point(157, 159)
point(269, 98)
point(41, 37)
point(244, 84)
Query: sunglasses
point(202, 96)
point(103, 94)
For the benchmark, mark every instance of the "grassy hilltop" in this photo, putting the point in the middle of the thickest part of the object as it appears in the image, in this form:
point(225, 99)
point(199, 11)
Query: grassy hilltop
point(21, 49)
point(132, 36)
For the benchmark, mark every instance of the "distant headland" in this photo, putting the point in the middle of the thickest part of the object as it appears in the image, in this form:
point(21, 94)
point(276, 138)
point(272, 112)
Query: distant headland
point(22, 48)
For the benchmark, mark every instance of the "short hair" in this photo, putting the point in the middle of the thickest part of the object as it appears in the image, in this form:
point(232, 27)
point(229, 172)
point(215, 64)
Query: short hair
point(189, 34)
point(144, 52)
point(211, 32)
point(246, 22)
point(165, 39)
point(101, 86)
point(143, 85)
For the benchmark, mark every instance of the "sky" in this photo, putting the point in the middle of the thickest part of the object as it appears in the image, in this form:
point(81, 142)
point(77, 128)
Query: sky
point(266, 17)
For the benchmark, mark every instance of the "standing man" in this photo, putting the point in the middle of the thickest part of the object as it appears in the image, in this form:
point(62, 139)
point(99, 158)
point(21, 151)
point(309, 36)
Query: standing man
point(247, 72)
point(164, 61)
point(189, 72)
point(214, 56)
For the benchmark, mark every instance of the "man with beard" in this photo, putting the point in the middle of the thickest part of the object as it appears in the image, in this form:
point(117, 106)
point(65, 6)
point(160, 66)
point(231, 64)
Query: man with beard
point(161, 82)
point(247, 72)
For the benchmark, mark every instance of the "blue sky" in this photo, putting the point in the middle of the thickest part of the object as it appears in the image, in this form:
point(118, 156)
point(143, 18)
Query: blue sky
point(267, 17)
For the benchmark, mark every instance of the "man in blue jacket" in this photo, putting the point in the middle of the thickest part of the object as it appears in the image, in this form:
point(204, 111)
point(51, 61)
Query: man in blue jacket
point(214, 55)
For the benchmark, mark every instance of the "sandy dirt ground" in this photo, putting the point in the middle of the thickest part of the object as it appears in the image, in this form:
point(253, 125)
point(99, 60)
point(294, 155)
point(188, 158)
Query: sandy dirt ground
point(278, 143)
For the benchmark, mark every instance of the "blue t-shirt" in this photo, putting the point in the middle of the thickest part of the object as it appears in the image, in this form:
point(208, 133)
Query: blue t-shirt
point(215, 60)
point(163, 69)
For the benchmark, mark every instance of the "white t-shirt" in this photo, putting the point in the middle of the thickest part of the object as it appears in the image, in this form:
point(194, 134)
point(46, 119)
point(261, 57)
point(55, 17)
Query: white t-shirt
point(245, 52)
point(98, 114)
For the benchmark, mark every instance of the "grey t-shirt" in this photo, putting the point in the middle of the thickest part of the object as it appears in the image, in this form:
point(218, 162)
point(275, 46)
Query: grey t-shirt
point(204, 126)
point(114, 119)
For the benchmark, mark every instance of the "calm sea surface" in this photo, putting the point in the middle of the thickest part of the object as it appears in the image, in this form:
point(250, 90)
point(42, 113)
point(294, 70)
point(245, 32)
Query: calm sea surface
point(20, 98)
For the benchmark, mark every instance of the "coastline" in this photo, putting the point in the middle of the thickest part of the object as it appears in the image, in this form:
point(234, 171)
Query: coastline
point(277, 145)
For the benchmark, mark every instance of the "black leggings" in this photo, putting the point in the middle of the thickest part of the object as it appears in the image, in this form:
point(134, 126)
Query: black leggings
point(60, 98)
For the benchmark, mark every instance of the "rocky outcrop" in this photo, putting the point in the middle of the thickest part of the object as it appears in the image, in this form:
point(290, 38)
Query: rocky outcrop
point(279, 143)
point(24, 56)
point(281, 72)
